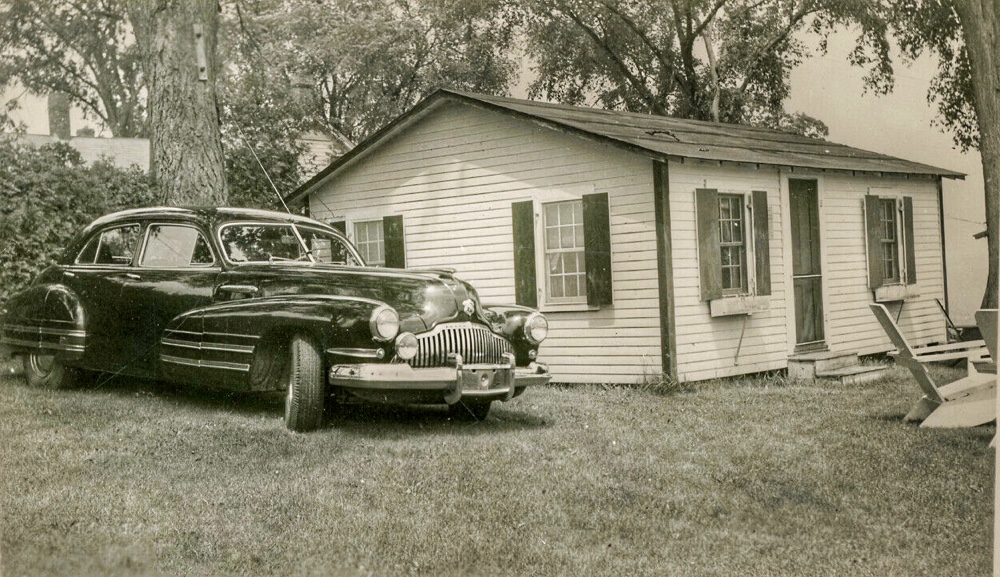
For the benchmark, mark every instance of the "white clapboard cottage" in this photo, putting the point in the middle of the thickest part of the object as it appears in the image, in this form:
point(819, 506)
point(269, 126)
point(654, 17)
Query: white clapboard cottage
point(654, 245)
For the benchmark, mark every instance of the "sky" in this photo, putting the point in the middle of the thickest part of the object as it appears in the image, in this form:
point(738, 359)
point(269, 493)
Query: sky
point(899, 124)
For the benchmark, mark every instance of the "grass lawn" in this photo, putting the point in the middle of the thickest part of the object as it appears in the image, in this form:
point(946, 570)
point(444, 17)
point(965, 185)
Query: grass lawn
point(749, 477)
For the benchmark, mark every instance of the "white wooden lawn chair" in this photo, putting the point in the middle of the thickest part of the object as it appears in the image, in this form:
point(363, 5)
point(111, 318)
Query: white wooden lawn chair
point(967, 402)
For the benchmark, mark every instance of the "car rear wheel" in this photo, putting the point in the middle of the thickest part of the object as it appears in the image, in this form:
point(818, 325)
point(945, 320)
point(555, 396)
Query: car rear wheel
point(306, 386)
point(44, 370)
point(471, 410)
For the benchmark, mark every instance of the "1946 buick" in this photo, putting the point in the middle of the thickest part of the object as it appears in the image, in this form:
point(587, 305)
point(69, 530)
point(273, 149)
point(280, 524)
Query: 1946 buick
point(263, 301)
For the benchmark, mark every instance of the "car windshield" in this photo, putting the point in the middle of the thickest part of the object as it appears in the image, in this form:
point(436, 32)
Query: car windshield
point(271, 242)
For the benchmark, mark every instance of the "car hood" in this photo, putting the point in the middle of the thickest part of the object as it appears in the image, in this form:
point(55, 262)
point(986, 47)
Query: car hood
point(423, 298)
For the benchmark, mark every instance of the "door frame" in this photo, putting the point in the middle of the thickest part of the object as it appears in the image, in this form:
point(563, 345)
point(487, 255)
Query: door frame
point(786, 225)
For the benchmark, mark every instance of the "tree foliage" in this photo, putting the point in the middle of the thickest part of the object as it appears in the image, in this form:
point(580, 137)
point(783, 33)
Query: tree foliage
point(354, 65)
point(46, 196)
point(718, 60)
point(81, 48)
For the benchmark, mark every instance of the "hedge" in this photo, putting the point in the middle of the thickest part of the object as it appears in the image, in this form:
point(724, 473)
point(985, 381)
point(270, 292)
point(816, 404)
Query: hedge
point(47, 195)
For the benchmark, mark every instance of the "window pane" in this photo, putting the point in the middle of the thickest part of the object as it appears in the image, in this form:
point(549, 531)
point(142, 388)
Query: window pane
point(173, 246)
point(732, 244)
point(327, 248)
point(369, 241)
point(564, 242)
point(261, 243)
point(116, 246)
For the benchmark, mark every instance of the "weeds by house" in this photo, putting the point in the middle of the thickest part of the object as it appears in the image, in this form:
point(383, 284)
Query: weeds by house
point(741, 477)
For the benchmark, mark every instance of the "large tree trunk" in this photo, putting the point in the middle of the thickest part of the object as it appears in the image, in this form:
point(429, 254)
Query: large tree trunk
point(180, 66)
point(981, 28)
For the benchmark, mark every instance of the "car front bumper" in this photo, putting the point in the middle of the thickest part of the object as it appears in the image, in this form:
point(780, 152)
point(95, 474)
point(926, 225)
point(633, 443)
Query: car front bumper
point(461, 381)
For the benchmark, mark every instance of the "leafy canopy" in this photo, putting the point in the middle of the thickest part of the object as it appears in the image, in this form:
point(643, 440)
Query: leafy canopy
point(83, 48)
point(717, 60)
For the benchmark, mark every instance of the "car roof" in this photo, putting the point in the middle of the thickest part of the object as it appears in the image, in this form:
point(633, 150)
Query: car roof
point(203, 214)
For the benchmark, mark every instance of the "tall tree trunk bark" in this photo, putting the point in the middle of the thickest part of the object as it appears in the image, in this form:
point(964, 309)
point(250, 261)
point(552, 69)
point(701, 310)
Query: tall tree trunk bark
point(177, 40)
point(981, 28)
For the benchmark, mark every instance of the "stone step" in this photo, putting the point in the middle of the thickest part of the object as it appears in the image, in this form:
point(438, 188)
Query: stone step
point(854, 374)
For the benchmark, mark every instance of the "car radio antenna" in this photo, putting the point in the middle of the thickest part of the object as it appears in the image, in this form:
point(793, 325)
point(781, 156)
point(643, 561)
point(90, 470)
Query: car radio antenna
point(264, 170)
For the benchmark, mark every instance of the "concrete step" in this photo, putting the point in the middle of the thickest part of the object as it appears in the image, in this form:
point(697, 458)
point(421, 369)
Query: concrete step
point(807, 365)
point(854, 374)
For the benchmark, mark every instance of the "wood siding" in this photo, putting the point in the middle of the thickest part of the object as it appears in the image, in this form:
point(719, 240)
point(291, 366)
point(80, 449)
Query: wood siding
point(454, 176)
point(850, 325)
point(724, 346)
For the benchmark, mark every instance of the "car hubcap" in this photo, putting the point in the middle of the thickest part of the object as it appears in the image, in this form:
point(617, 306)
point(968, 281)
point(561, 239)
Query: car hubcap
point(42, 364)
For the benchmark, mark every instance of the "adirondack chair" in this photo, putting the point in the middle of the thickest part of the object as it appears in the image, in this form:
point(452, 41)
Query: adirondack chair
point(967, 402)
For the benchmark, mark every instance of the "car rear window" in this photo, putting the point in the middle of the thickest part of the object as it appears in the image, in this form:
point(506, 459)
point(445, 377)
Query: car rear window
point(113, 246)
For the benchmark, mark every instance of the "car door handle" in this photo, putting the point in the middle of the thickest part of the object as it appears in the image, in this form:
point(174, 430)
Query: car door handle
point(239, 288)
point(133, 276)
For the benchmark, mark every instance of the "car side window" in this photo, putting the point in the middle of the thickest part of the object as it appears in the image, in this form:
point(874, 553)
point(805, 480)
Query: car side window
point(114, 246)
point(326, 248)
point(175, 246)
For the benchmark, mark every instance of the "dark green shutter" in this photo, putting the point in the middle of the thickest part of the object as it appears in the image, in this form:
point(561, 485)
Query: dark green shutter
point(761, 246)
point(911, 253)
point(395, 248)
point(525, 286)
point(597, 248)
point(709, 259)
point(876, 272)
point(339, 225)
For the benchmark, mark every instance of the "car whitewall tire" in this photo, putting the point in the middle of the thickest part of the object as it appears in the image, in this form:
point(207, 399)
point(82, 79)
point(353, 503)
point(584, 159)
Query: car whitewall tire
point(43, 370)
point(306, 386)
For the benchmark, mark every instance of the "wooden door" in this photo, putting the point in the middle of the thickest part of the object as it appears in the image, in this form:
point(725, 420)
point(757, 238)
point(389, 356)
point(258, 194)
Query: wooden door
point(807, 271)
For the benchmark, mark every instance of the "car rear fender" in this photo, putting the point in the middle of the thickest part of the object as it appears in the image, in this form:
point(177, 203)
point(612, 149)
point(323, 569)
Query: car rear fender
point(45, 318)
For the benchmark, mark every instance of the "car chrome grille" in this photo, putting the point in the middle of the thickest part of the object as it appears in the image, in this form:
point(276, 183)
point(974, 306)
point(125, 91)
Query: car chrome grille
point(477, 344)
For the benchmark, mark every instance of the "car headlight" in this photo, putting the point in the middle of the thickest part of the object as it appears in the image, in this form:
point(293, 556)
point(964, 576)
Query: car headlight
point(406, 346)
point(384, 323)
point(536, 328)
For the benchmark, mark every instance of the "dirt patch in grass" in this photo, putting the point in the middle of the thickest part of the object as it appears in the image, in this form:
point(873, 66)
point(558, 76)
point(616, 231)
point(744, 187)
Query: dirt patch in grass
point(725, 478)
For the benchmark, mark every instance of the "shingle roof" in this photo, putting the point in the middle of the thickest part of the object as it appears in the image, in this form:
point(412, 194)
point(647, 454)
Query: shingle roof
point(663, 137)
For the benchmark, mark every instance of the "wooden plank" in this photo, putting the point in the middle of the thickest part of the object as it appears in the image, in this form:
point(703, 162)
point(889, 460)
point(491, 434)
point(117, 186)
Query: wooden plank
point(665, 270)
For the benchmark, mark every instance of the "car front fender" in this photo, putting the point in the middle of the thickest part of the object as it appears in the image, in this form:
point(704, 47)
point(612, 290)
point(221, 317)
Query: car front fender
point(232, 340)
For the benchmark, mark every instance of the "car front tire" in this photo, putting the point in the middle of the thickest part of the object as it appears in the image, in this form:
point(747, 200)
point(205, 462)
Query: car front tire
point(306, 386)
point(42, 370)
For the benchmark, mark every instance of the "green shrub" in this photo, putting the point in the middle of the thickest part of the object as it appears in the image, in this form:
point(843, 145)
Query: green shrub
point(47, 195)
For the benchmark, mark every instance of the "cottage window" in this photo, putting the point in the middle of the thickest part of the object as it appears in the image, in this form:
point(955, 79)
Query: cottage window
point(370, 240)
point(573, 239)
point(566, 269)
point(733, 253)
point(732, 244)
point(380, 241)
point(892, 263)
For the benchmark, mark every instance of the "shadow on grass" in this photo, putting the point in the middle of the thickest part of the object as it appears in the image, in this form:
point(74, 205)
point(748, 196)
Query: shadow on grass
point(355, 416)
point(376, 419)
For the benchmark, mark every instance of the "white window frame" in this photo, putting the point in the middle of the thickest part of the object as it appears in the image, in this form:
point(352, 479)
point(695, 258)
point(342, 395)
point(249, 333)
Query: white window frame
point(746, 301)
point(358, 244)
point(545, 302)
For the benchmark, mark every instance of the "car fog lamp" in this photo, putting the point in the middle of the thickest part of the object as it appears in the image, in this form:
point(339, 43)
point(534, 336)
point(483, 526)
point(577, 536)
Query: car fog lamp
point(384, 323)
point(536, 328)
point(406, 346)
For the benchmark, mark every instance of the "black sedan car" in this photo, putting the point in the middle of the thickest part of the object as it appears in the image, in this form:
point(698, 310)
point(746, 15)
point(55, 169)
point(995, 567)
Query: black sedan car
point(263, 301)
